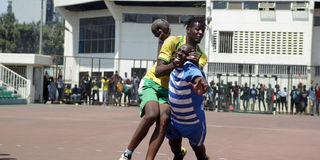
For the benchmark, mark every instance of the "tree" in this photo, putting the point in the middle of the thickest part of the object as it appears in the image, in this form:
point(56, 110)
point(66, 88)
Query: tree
point(24, 38)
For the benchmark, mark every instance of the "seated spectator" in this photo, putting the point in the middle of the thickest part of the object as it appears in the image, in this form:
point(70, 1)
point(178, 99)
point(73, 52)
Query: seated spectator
point(75, 94)
point(67, 92)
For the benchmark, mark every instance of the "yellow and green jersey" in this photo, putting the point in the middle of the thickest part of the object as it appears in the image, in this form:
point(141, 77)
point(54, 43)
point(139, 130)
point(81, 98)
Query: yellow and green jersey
point(105, 84)
point(166, 53)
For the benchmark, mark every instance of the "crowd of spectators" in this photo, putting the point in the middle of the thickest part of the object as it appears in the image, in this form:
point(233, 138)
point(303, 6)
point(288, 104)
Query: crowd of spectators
point(262, 98)
point(93, 90)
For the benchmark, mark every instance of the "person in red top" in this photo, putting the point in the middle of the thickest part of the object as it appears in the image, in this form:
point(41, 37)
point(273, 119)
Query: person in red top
point(317, 98)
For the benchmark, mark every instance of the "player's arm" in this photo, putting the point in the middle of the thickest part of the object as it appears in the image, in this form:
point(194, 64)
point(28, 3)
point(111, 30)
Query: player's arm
point(164, 68)
point(162, 37)
point(199, 85)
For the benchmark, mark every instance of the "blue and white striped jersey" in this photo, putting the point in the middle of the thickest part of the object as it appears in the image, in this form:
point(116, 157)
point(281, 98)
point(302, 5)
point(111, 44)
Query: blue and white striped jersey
point(186, 105)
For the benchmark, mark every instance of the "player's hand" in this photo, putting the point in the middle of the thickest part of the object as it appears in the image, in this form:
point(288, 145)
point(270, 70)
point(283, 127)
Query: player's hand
point(201, 86)
point(163, 36)
point(194, 57)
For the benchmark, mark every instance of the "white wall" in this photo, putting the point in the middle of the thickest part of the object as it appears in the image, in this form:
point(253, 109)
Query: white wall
point(249, 20)
point(316, 46)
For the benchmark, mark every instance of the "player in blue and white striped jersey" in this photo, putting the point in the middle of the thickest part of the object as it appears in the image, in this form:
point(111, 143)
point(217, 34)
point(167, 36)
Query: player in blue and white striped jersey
point(186, 88)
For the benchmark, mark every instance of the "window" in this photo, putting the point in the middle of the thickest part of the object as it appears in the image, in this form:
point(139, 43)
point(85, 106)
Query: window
point(225, 42)
point(283, 5)
point(317, 73)
point(184, 19)
point(231, 68)
point(316, 21)
point(250, 5)
point(219, 5)
point(266, 6)
point(130, 18)
point(97, 35)
point(173, 19)
point(144, 18)
point(299, 6)
point(235, 5)
point(283, 70)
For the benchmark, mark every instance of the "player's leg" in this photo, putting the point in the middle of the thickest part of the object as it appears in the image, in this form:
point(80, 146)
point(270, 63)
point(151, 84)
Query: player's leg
point(151, 111)
point(159, 132)
point(178, 151)
point(200, 152)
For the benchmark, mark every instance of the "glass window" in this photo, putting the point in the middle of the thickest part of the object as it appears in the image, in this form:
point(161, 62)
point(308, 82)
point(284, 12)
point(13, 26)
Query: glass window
point(250, 5)
point(316, 21)
point(154, 17)
point(183, 19)
point(219, 5)
point(144, 18)
point(235, 5)
point(94, 33)
point(225, 42)
point(283, 6)
point(172, 19)
point(130, 18)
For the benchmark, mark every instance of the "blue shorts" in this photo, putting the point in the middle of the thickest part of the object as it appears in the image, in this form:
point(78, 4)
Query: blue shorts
point(195, 133)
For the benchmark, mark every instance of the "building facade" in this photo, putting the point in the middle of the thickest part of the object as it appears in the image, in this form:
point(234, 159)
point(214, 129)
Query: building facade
point(106, 36)
point(251, 41)
point(264, 41)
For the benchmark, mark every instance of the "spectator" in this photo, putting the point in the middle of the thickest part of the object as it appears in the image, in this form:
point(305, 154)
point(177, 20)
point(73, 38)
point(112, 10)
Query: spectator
point(76, 94)
point(270, 93)
point(298, 99)
point(60, 88)
point(312, 100)
point(253, 97)
point(51, 89)
point(213, 95)
point(245, 96)
point(235, 90)
point(46, 83)
point(277, 97)
point(119, 93)
point(95, 91)
point(283, 99)
point(67, 93)
point(105, 85)
point(87, 89)
point(127, 92)
point(293, 95)
point(317, 98)
point(116, 78)
point(304, 99)
point(261, 97)
point(135, 84)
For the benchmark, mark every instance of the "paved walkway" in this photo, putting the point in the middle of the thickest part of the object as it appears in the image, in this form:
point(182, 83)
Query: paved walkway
point(67, 132)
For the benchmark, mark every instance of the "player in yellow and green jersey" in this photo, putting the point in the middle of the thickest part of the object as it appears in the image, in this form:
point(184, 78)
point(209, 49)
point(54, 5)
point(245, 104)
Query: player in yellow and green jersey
point(153, 89)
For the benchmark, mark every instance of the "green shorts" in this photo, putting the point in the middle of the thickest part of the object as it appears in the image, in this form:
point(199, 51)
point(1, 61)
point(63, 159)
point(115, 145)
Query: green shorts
point(151, 91)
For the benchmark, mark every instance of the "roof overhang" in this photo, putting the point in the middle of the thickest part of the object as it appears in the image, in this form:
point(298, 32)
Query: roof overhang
point(25, 59)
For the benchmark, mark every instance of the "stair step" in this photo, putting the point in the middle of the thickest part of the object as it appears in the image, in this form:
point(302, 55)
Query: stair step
point(12, 101)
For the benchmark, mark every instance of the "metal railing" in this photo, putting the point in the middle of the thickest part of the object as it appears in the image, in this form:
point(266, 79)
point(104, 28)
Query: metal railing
point(14, 82)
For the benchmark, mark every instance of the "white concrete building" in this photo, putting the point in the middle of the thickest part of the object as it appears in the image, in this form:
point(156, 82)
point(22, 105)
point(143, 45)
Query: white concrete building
point(249, 41)
point(255, 38)
point(107, 36)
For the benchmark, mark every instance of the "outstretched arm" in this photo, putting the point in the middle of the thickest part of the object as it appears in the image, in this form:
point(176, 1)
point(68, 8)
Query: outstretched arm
point(200, 85)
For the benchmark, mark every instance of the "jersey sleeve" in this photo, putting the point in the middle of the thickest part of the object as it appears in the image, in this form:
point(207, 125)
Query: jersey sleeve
point(192, 72)
point(203, 60)
point(167, 49)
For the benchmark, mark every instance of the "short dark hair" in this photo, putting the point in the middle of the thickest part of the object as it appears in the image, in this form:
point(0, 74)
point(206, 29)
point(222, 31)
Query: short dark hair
point(159, 24)
point(191, 21)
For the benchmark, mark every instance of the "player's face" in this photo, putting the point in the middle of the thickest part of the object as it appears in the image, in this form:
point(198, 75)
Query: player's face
point(196, 32)
point(182, 53)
